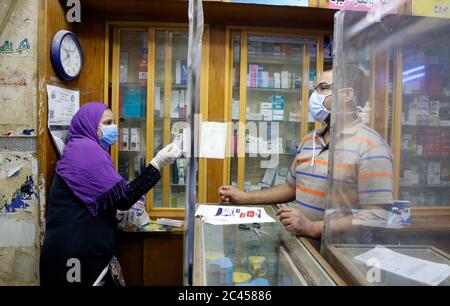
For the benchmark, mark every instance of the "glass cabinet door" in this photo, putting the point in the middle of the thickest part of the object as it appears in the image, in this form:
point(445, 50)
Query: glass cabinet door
point(148, 90)
point(423, 123)
point(272, 79)
point(170, 113)
point(132, 103)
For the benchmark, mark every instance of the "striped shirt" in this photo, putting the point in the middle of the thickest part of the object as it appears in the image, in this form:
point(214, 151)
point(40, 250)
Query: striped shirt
point(362, 171)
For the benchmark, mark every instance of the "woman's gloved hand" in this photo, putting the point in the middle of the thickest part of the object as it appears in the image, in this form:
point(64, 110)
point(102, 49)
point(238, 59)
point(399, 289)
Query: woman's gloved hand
point(166, 156)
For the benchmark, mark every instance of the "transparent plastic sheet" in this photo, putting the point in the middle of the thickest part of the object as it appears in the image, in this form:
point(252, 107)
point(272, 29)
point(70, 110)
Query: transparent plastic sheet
point(390, 112)
point(193, 95)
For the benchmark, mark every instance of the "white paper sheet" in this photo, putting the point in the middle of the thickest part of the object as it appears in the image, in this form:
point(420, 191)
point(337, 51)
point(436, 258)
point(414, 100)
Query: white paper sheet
point(213, 139)
point(62, 105)
point(417, 269)
point(224, 214)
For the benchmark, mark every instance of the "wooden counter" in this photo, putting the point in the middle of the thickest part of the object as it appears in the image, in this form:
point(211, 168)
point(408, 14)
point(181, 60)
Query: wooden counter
point(151, 258)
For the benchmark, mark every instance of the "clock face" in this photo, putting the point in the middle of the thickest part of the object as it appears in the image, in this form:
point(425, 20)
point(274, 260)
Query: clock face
point(66, 55)
point(71, 58)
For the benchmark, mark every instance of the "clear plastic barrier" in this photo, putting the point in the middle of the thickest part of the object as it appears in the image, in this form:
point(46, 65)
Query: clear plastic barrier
point(388, 210)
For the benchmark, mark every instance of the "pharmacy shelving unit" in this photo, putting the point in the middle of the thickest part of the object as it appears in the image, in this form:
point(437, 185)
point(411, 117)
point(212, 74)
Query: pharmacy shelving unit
point(146, 69)
point(419, 132)
point(271, 74)
point(409, 108)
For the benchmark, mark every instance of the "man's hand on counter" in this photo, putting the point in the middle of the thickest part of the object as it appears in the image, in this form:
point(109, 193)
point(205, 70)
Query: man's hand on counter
point(232, 195)
point(295, 221)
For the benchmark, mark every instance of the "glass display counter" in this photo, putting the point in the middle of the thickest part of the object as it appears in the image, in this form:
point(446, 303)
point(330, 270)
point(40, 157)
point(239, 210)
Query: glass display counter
point(257, 254)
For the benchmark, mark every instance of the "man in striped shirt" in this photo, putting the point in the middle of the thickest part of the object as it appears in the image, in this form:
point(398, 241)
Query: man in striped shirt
point(362, 165)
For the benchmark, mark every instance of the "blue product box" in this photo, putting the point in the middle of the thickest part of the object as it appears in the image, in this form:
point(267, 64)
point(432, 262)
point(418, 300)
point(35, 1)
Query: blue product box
point(278, 108)
point(133, 103)
point(400, 213)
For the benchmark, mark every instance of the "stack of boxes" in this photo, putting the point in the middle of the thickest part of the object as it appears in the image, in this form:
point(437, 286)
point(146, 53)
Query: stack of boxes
point(259, 78)
point(426, 112)
point(435, 141)
point(278, 108)
point(130, 139)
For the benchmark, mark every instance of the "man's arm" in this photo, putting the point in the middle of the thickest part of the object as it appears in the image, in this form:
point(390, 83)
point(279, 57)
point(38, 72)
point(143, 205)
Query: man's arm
point(278, 194)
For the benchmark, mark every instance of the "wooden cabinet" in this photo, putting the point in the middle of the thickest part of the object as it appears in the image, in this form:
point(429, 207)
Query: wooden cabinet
point(271, 74)
point(147, 81)
point(152, 259)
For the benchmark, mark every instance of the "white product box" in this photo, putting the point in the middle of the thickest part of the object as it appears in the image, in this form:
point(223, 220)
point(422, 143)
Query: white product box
point(135, 139)
point(255, 188)
point(277, 115)
point(277, 80)
point(434, 173)
point(294, 116)
point(266, 105)
point(175, 105)
point(265, 79)
point(235, 110)
point(123, 67)
point(253, 116)
point(124, 139)
point(412, 113)
point(158, 109)
point(284, 79)
point(266, 114)
point(269, 175)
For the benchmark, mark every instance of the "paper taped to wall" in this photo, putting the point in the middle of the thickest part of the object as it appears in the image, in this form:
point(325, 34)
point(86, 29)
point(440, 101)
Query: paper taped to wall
point(213, 139)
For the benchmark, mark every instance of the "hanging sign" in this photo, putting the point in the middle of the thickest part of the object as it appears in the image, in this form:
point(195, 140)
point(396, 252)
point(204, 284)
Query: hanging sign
point(431, 8)
point(360, 5)
point(274, 2)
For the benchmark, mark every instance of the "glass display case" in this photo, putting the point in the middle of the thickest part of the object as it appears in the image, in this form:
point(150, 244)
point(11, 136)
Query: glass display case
point(228, 255)
point(272, 77)
point(387, 219)
point(170, 113)
point(147, 68)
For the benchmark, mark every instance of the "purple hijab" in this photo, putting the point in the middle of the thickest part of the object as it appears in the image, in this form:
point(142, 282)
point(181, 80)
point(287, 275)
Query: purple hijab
point(86, 166)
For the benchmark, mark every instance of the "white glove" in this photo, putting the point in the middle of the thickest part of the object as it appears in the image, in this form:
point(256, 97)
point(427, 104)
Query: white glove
point(136, 216)
point(166, 156)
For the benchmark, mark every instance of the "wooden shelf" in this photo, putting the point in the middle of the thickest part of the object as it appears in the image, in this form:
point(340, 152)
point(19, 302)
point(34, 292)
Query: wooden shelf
point(423, 186)
point(274, 59)
point(268, 89)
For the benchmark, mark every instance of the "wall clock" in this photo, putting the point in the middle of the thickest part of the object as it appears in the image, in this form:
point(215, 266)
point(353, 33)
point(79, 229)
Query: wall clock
point(66, 55)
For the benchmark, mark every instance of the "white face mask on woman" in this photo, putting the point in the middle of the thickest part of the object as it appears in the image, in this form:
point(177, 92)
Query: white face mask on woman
point(317, 110)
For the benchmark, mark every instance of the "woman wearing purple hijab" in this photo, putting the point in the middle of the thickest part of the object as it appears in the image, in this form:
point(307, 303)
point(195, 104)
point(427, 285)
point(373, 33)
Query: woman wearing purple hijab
point(85, 195)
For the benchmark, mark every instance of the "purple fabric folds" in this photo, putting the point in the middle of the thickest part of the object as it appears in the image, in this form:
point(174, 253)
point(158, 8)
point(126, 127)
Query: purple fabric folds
point(86, 166)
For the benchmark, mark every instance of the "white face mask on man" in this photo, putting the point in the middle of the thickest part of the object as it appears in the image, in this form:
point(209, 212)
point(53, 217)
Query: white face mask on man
point(317, 110)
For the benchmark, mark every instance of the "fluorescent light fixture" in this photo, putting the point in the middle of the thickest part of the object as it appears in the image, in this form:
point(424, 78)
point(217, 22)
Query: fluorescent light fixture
point(413, 77)
point(414, 70)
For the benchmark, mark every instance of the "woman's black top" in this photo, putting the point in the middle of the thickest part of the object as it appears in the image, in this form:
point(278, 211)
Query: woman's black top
point(75, 239)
